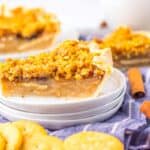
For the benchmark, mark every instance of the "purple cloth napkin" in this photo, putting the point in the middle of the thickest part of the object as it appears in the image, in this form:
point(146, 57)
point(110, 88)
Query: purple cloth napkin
point(137, 139)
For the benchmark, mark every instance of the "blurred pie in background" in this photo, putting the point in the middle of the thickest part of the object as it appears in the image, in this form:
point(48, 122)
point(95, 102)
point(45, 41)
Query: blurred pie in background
point(129, 48)
point(23, 29)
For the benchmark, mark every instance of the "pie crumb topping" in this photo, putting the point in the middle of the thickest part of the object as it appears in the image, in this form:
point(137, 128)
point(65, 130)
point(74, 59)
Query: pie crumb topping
point(27, 23)
point(125, 42)
point(72, 59)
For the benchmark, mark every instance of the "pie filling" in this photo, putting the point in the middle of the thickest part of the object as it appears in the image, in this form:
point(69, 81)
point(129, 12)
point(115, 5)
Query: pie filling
point(9, 44)
point(124, 61)
point(26, 29)
point(65, 88)
point(74, 69)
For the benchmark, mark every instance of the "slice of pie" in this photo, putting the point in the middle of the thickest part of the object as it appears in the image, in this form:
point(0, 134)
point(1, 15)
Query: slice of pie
point(73, 69)
point(24, 29)
point(129, 48)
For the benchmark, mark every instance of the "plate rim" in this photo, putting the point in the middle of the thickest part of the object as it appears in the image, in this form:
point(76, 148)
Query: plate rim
point(95, 109)
point(76, 121)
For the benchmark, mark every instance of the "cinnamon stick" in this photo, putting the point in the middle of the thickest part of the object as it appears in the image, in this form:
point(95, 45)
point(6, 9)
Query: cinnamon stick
point(145, 108)
point(136, 83)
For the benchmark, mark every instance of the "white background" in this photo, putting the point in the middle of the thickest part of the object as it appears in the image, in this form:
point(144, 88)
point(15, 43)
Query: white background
point(75, 13)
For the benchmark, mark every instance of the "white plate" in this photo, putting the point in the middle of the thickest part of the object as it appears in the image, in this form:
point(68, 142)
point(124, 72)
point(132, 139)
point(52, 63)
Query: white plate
point(66, 116)
point(57, 124)
point(66, 33)
point(112, 89)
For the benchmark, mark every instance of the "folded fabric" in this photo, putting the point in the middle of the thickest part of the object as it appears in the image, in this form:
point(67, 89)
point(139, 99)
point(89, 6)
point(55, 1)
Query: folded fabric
point(138, 139)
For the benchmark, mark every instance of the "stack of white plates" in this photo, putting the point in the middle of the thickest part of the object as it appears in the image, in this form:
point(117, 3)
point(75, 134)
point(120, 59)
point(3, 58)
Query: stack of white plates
point(55, 114)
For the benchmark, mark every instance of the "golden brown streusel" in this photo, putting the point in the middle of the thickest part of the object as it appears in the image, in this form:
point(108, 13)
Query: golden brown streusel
point(127, 43)
point(71, 60)
point(27, 22)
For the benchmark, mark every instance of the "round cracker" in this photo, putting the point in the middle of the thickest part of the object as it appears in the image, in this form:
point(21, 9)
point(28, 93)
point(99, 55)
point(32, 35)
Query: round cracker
point(2, 143)
point(12, 136)
point(92, 140)
point(42, 142)
point(28, 128)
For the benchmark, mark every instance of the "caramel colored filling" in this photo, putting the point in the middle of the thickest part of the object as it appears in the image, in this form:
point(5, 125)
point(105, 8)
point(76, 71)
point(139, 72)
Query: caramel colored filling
point(50, 87)
point(11, 44)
